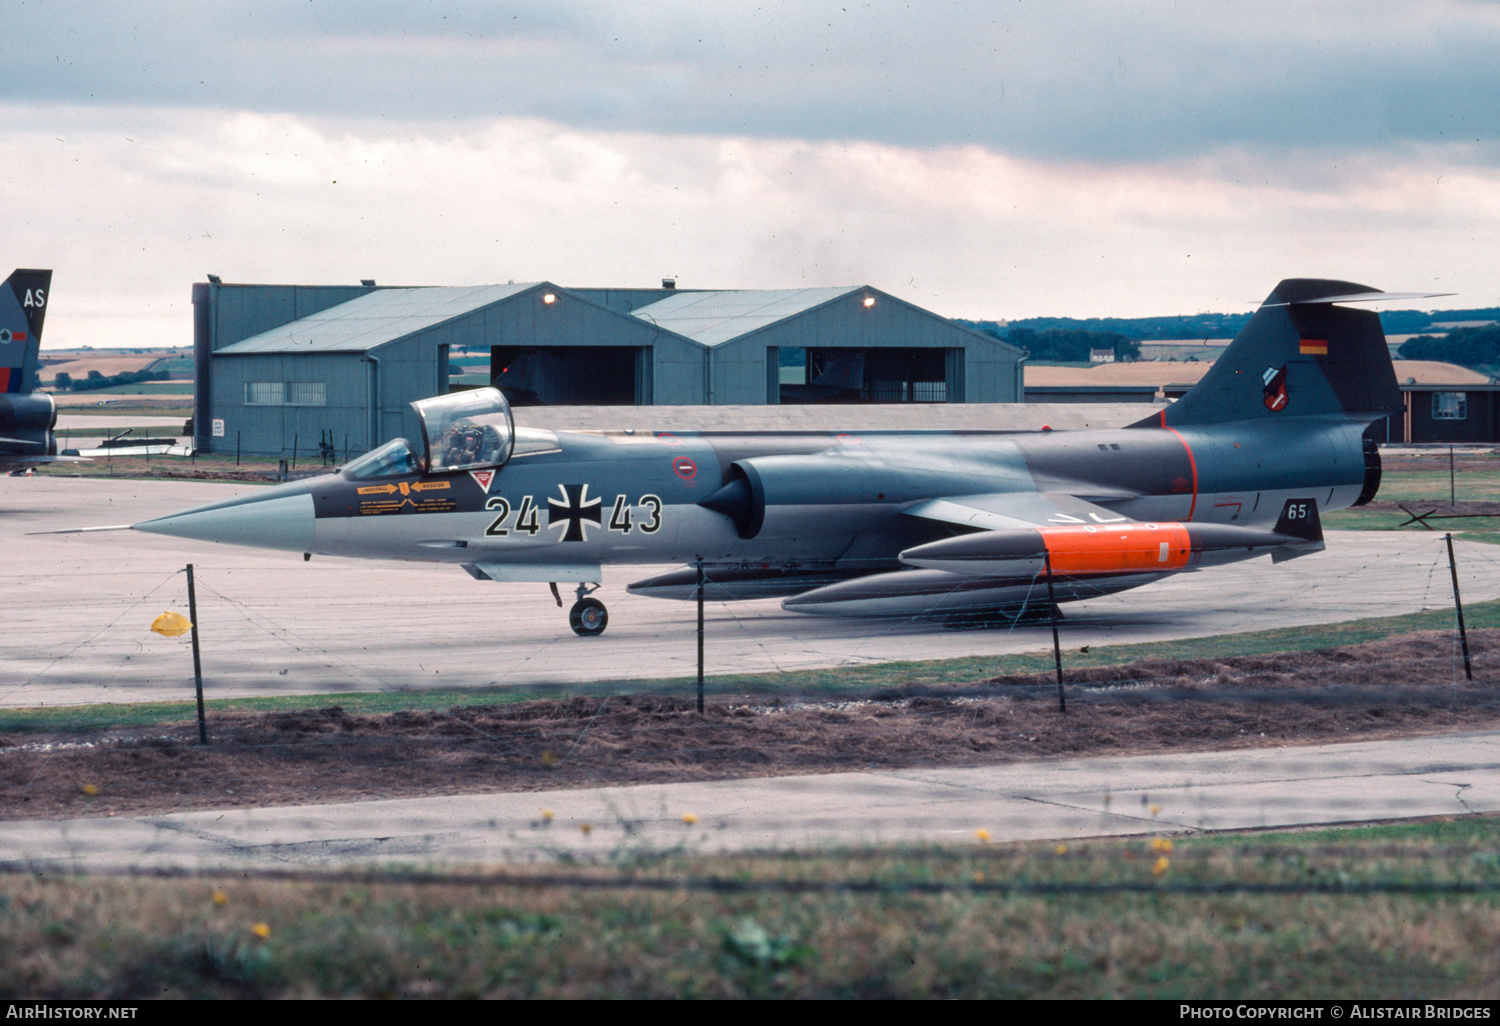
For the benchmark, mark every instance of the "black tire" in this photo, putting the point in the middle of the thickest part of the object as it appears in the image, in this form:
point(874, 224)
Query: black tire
point(588, 617)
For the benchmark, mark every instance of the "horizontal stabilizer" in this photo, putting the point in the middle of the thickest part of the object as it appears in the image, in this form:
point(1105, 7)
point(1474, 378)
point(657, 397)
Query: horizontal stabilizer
point(1367, 296)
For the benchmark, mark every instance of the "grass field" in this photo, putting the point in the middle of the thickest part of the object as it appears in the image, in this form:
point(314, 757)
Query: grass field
point(150, 405)
point(1423, 485)
point(1373, 912)
point(1472, 482)
point(142, 388)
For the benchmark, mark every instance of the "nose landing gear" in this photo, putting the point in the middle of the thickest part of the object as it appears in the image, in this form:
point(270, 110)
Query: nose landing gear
point(588, 617)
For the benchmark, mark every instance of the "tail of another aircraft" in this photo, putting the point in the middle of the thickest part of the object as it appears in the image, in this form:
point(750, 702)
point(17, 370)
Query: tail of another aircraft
point(1301, 355)
point(23, 307)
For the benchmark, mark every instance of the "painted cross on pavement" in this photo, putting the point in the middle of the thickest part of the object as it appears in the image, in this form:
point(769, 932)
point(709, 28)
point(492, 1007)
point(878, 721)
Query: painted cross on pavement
point(575, 508)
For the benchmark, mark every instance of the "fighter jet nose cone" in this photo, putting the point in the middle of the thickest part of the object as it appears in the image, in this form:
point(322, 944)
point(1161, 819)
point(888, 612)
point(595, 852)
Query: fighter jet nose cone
point(283, 520)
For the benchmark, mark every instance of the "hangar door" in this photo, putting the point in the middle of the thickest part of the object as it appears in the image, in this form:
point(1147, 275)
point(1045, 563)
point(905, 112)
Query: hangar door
point(886, 374)
point(572, 375)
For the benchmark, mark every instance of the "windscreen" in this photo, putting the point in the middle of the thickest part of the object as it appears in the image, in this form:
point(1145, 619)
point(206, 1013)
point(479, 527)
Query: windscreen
point(391, 459)
point(466, 430)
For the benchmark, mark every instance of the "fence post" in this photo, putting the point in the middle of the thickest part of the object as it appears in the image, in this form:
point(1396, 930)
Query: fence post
point(197, 661)
point(700, 636)
point(1062, 698)
point(1463, 635)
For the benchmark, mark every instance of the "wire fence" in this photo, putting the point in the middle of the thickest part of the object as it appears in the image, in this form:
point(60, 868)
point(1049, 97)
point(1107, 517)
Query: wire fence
point(342, 628)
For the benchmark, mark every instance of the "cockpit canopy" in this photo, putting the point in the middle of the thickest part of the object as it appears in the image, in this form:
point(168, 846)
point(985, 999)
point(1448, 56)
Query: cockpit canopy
point(466, 430)
point(462, 431)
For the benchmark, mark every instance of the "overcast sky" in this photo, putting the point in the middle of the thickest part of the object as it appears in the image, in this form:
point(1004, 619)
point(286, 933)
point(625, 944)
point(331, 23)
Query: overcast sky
point(993, 160)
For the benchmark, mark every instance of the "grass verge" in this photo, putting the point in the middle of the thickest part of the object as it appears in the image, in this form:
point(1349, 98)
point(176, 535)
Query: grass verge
point(831, 681)
point(1146, 918)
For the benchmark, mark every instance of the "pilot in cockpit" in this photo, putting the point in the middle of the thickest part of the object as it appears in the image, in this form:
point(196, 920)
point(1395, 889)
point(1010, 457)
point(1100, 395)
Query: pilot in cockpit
point(460, 445)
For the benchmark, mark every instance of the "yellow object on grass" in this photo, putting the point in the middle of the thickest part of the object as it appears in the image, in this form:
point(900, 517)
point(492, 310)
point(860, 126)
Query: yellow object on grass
point(171, 625)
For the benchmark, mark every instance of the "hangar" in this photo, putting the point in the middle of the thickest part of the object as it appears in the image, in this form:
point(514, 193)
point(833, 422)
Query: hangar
point(284, 368)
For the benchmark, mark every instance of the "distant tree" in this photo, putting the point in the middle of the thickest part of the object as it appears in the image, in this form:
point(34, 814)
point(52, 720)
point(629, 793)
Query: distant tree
point(63, 381)
point(1478, 348)
point(1071, 345)
point(98, 380)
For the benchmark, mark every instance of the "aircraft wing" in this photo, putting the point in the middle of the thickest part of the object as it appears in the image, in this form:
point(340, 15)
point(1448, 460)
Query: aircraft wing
point(998, 511)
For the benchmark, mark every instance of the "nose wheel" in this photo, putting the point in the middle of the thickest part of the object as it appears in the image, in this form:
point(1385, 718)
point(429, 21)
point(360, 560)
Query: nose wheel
point(588, 617)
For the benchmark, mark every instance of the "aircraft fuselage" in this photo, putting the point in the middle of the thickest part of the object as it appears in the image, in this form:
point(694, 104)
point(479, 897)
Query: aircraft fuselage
point(581, 499)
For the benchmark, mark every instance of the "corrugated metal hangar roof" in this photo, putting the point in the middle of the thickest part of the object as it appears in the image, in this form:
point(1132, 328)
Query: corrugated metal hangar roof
point(715, 317)
point(375, 319)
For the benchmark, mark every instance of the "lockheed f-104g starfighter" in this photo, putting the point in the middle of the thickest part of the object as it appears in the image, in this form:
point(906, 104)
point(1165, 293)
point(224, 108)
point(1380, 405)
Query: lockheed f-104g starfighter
point(900, 523)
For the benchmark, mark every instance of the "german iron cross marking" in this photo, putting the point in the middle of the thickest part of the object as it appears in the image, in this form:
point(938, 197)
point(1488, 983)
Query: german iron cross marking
point(575, 508)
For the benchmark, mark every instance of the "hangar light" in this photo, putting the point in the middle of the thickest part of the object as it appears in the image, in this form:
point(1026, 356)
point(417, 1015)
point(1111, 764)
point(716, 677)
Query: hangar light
point(549, 299)
point(869, 301)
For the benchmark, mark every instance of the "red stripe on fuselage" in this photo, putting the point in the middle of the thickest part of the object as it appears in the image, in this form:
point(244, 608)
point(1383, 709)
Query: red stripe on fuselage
point(1191, 462)
point(5, 379)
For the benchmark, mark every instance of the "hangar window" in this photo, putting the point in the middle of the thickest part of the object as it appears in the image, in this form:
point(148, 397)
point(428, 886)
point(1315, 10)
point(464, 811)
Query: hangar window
point(1450, 405)
point(307, 393)
point(265, 393)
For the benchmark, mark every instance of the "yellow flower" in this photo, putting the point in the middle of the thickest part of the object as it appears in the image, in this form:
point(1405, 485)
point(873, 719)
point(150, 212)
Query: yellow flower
point(983, 835)
point(1061, 849)
point(979, 878)
point(1155, 810)
point(220, 898)
point(1160, 867)
point(90, 790)
point(1161, 844)
point(547, 815)
point(689, 818)
point(261, 930)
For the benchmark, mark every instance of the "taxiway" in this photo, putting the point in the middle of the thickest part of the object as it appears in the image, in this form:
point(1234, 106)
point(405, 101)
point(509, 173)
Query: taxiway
point(1055, 800)
point(77, 608)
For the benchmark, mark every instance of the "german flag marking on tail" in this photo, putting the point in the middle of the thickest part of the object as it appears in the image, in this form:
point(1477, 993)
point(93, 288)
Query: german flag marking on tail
point(1313, 347)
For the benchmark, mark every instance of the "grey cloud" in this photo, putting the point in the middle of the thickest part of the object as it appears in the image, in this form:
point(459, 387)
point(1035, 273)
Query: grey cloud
point(1065, 80)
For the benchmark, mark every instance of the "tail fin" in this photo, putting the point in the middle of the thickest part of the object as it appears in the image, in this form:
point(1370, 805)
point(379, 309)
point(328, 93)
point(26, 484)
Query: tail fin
point(23, 307)
point(1299, 356)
